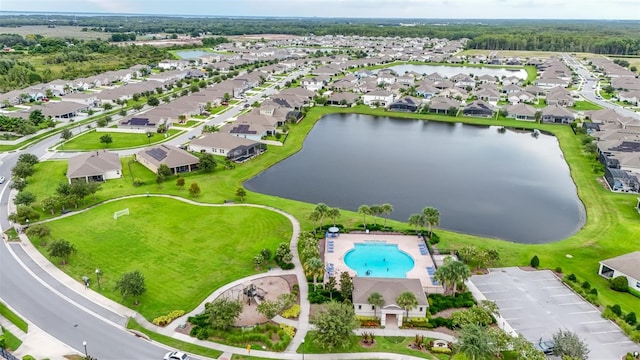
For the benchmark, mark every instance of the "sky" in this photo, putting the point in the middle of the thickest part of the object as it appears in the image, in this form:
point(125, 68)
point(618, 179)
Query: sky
point(449, 9)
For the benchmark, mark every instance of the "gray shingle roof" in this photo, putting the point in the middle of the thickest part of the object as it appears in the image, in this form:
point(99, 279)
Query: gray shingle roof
point(628, 264)
point(389, 288)
point(93, 163)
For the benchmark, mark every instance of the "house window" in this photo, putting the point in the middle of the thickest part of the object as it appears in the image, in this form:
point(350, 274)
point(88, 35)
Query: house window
point(373, 307)
point(359, 307)
point(420, 309)
point(638, 284)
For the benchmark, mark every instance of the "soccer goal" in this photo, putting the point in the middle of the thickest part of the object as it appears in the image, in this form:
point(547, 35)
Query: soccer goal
point(119, 213)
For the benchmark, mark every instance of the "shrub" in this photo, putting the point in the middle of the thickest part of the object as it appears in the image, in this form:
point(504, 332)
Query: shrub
point(368, 321)
point(594, 291)
point(440, 350)
point(138, 182)
point(586, 285)
point(291, 312)
point(434, 239)
point(616, 310)
point(28, 357)
point(317, 298)
point(203, 334)
point(631, 318)
point(535, 261)
point(164, 320)
point(289, 330)
point(438, 302)
point(440, 321)
point(559, 270)
point(619, 283)
point(572, 277)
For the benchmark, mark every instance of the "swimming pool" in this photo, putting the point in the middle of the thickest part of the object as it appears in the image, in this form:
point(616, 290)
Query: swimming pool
point(375, 259)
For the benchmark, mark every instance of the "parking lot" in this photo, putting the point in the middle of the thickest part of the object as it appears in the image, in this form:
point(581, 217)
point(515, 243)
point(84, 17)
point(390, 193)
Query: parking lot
point(536, 304)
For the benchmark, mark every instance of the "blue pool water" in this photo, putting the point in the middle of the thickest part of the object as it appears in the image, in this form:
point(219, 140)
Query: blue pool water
point(375, 259)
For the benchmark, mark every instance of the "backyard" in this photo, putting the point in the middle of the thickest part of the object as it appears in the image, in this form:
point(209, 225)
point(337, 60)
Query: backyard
point(184, 251)
point(91, 140)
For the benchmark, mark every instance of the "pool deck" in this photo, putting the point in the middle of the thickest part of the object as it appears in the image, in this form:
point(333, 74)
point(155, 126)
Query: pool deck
point(408, 244)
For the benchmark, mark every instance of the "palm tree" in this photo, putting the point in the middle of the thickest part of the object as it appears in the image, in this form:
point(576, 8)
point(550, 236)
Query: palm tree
point(314, 267)
point(451, 273)
point(322, 209)
point(475, 342)
point(375, 211)
point(315, 217)
point(376, 300)
point(334, 214)
point(416, 220)
point(364, 210)
point(407, 300)
point(431, 218)
point(387, 209)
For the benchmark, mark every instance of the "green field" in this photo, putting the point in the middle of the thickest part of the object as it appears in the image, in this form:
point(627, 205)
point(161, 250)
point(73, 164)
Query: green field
point(585, 106)
point(184, 251)
point(91, 140)
point(612, 227)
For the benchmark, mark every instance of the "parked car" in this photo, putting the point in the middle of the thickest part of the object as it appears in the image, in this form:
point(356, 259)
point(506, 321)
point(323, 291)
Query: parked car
point(546, 346)
point(176, 355)
point(2, 179)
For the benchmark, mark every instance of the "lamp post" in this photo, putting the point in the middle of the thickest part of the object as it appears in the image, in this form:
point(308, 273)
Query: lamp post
point(302, 349)
point(149, 136)
point(84, 343)
point(98, 277)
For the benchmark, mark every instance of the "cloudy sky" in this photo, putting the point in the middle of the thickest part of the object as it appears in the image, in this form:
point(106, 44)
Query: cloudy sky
point(467, 9)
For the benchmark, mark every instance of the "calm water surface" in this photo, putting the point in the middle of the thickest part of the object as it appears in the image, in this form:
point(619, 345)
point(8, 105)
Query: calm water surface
point(191, 54)
point(449, 71)
point(504, 185)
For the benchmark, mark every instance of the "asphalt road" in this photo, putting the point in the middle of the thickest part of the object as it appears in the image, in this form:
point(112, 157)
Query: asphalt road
point(56, 309)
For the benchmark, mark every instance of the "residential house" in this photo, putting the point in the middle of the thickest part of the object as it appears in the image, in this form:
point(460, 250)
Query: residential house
point(454, 93)
point(521, 111)
point(443, 105)
point(478, 108)
point(487, 79)
point(315, 83)
point(390, 289)
point(98, 165)
point(632, 97)
point(379, 97)
point(521, 97)
point(406, 104)
point(343, 98)
point(511, 88)
point(620, 180)
point(463, 80)
point(511, 80)
point(557, 114)
point(251, 126)
point(90, 99)
point(560, 96)
point(487, 94)
point(627, 265)
point(232, 147)
point(176, 159)
point(426, 91)
point(62, 109)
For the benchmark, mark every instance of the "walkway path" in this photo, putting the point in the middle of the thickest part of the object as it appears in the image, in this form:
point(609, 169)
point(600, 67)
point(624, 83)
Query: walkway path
point(113, 312)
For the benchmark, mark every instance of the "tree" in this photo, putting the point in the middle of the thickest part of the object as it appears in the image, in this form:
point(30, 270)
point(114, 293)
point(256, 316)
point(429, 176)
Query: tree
point(346, 285)
point(49, 204)
point(330, 286)
point(39, 231)
point(524, 350)
point(334, 325)
point(315, 217)
point(535, 261)
point(131, 284)
point(28, 159)
point(106, 139)
point(66, 134)
point(194, 190)
point(241, 193)
point(334, 214)
point(431, 218)
point(180, 183)
point(314, 267)
point(387, 209)
point(481, 314)
point(376, 300)
point(153, 101)
point(475, 342)
point(223, 312)
point(488, 257)
point(266, 254)
point(258, 260)
point(24, 198)
point(18, 184)
point(61, 249)
point(407, 300)
point(364, 210)
point(416, 220)
point(207, 163)
point(322, 210)
point(269, 308)
point(164, 170)
point(451, 273)
point(375, 211)
point(107, 106)
point(22, 170)
point(568, 343)
point(24, 213)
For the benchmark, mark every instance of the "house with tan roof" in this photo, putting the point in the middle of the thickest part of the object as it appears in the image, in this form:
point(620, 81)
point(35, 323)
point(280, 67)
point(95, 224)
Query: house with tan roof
point(232, 147)
point(98, 165)
point(627, 265)
point(390, 289)
point(442, 105)
point(178, 160)
point(557, 114)
point(521, 111)
point(381, 97)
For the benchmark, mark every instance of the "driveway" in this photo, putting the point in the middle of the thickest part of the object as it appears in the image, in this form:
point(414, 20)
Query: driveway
point(537, 304)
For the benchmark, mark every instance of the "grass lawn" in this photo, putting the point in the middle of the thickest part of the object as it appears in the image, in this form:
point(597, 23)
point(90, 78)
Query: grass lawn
point(612, 227)
point(184, 251)
point(389, 344)
point(218, 109)
point(91, 140)
point(532, 73)
point(6, 313)
point(191, 123)
point(585, 106)
point(11, 341)
point(178, 344)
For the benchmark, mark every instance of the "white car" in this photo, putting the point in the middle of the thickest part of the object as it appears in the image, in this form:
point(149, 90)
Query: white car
point(2, 179)
point(176, 355)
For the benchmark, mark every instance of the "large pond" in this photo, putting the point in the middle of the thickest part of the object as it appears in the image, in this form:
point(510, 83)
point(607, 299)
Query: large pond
point(449, 71)
point(508, 185)
point(191, 54)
